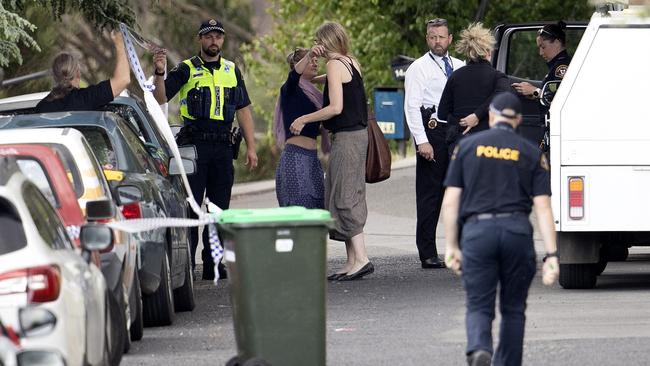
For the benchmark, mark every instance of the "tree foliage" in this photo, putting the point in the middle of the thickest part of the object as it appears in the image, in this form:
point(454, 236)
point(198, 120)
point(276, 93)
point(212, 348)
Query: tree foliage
point(16, 30)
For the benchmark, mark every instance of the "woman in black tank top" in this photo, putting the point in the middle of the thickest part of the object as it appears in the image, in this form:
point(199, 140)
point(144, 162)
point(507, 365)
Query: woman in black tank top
point(344, 113)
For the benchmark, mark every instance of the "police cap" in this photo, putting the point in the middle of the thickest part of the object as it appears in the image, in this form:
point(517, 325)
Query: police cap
point(211, 25)
point(506, 104)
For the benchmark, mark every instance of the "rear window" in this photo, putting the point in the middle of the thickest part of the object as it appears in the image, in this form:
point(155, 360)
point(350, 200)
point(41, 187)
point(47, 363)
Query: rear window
point(524, 61)
point(101, 145)
point(34, 171)
point(13, 235)
point(70, 167)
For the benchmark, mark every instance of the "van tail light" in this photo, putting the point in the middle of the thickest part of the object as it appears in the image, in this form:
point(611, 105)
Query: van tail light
point(132, 211)
point(576, 198)
point(41, 284)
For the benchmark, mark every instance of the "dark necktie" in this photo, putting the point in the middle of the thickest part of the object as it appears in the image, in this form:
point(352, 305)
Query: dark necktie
point(448, 68)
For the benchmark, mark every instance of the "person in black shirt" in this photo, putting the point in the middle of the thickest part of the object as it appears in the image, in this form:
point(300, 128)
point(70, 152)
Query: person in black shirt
point(66, 94)
point(551, 42)
point(212, 92)
point(467, 94)
point(494, 178)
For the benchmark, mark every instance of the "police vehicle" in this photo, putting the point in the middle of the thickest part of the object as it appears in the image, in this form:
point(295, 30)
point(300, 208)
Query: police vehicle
point(599, 137)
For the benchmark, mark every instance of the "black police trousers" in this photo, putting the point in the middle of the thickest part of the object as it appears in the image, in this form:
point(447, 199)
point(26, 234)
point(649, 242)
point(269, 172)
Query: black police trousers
point(214, 177)
point(497, 251)
point(429, 176)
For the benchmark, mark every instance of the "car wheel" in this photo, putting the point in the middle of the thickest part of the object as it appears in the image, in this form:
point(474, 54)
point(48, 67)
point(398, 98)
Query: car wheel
point(127, 320)
point(184, 295)
point(137, 327)
point(114, 326)
point(158, 308)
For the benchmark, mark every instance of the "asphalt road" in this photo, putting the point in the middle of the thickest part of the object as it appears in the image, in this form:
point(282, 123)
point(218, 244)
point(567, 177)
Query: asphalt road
point(404, 315)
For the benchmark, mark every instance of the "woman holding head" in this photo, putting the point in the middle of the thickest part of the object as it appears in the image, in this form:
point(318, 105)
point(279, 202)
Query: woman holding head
point(344, 114)
point(551, 43)
point(299, 176)
point(466, 98)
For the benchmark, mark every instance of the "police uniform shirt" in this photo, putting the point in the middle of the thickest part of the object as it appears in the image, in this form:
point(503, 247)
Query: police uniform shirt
point(179, 75)
point(83, 99)
point(499, 172)
point(557, 67)
point(423, 84)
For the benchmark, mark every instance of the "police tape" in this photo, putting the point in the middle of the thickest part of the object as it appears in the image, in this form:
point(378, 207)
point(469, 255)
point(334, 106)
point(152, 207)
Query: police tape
point(128, 35)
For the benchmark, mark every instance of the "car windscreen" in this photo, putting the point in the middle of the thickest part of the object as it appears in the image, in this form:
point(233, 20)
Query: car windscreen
point(13, 235)
point(101, 144)
point(34, 171)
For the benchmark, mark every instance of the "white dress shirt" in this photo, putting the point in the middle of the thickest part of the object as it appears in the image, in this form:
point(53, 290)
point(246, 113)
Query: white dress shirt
point(423, 84)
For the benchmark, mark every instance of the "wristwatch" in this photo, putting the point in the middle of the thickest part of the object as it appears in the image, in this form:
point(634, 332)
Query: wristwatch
point(549, 255)
point(159, 73)
point(536, 93)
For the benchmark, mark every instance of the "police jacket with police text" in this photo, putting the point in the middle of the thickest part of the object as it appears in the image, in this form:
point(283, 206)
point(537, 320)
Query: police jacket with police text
point(499, 172)
point(209, 92)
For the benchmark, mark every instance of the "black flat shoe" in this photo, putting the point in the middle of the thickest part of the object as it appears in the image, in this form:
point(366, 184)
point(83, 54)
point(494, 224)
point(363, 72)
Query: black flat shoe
point(433, 262)
point(365, 270)
point(335, 276)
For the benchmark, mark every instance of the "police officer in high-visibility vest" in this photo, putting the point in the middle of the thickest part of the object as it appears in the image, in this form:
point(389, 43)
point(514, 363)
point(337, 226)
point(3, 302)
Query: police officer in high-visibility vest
point(212, 92)
point(494, 178)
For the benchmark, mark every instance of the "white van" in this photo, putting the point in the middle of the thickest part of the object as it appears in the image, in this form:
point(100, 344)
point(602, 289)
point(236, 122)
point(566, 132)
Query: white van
point(599, 133)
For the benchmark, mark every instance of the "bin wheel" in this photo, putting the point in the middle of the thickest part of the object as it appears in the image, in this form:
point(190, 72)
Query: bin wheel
point(256, 362)
point(234, 362)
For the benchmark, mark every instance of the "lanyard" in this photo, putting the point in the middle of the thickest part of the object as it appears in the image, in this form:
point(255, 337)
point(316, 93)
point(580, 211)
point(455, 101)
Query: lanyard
point(451, 62)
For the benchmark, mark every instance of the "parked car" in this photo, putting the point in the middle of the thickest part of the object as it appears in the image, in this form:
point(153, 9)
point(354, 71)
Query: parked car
point(41, 273)
point(90, 187)
point(142, 190)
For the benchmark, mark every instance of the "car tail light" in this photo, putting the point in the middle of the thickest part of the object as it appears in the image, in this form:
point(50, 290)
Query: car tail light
point(576, 198)
point(41, 284)
point(162, 168)
point(132, 211)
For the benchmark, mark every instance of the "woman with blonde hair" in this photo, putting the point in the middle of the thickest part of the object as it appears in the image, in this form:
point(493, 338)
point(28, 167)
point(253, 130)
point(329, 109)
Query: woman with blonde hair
point(345, 115)
point(466, 98)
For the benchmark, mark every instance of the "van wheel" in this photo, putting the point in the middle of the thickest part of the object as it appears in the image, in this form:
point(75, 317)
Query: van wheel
point(137, 327)
point(600, 267)
point(158, 308)
point(578, 276)
point(615, 253)
point(184, 295)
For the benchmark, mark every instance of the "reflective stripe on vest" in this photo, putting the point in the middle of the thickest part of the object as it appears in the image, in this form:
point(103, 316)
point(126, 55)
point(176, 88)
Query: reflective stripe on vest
point(216, 80)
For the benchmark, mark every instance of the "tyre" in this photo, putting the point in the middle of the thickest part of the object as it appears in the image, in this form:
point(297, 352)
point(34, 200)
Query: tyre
point(114, 329)
point(184, 295)
point(158, 308)
point(137, 326)
point(578, 276)
point(600, 267)
point(235, 361)
point(127, 319)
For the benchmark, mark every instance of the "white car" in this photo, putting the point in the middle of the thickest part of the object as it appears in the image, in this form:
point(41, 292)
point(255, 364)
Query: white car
point(40, 271)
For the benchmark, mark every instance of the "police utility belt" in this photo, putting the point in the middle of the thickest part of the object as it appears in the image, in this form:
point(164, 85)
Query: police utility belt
point(428, 118)
point(489, 216)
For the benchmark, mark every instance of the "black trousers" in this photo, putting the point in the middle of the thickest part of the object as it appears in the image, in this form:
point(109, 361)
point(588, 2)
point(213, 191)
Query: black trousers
point(429, 176)
point(214, 177)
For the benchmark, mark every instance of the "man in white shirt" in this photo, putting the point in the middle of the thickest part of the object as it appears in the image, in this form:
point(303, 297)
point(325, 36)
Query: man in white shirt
point(424, 81)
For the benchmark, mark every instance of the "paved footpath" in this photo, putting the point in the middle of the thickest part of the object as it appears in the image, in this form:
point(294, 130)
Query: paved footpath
point(404, 315)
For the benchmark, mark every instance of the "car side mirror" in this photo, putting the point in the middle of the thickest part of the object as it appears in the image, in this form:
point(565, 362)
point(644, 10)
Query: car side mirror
point(127, 194)
point(188, 151)
point(35, 321)
point(95, 237)
point(100, 210)
point(548, 92)
point(189, 165)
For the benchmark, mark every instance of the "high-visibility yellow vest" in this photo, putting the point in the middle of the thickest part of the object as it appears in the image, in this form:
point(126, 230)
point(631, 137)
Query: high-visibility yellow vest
point(218, 80)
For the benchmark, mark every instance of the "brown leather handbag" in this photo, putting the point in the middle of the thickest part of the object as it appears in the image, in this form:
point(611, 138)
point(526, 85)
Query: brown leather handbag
point(378, 159)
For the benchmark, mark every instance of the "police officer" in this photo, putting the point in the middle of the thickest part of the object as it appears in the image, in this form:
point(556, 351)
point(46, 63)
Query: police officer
point(551, 42)
point(494, 178)
point(423, 84)
point(212, 92)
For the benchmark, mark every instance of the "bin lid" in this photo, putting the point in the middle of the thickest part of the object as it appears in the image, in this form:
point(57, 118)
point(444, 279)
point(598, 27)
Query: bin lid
point(280, 214)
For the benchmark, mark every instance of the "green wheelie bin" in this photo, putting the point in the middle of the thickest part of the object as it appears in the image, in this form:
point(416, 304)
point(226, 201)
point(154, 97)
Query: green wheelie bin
point(276, 262)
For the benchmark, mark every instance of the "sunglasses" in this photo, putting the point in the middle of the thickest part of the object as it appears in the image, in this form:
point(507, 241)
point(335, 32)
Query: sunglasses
point(437, 22)
point(542, 31)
